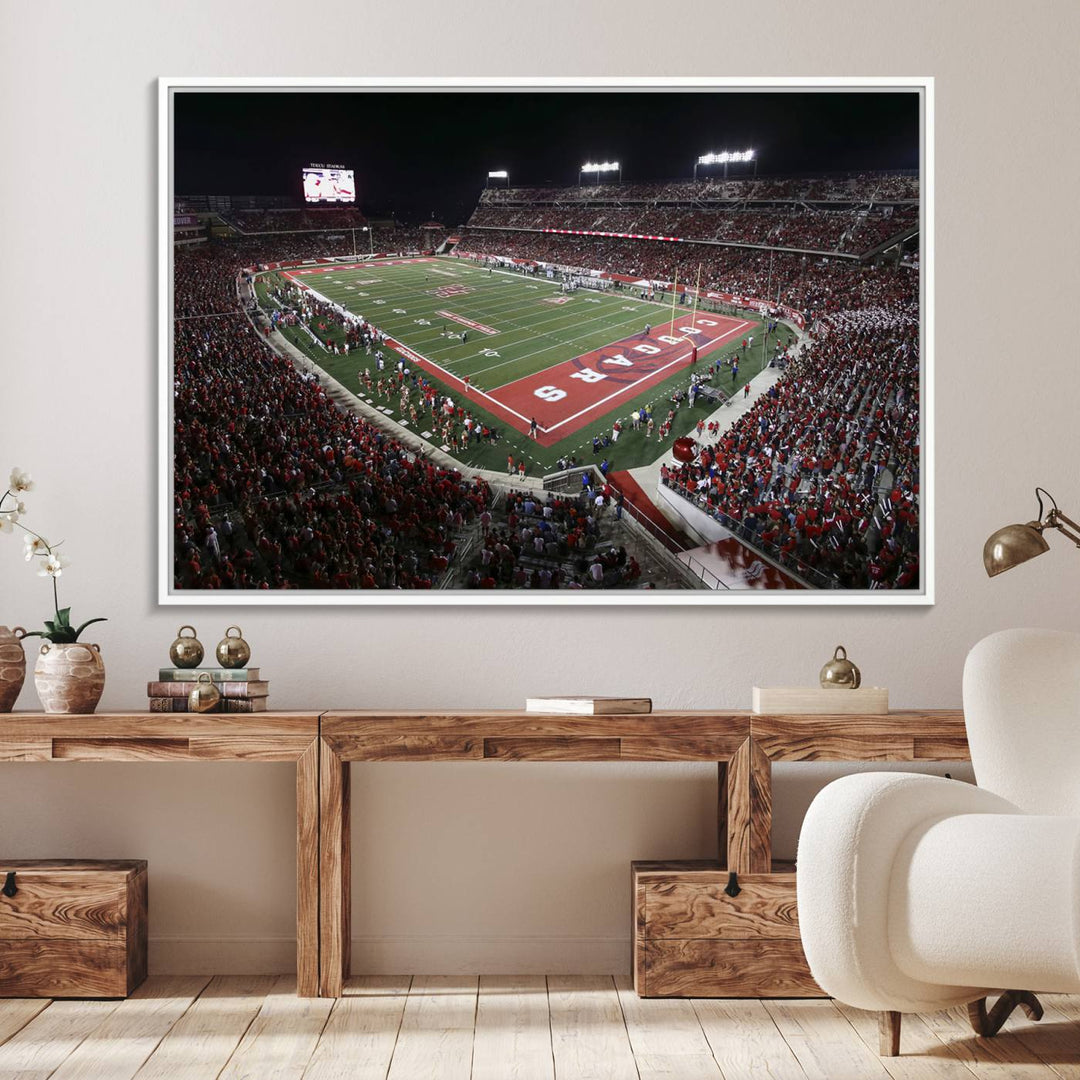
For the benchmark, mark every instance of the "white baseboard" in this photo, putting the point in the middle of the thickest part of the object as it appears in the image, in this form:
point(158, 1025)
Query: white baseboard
point(430, 954)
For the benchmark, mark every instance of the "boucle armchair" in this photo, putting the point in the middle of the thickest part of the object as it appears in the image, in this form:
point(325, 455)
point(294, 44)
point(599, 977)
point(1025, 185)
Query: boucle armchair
point(919, 893)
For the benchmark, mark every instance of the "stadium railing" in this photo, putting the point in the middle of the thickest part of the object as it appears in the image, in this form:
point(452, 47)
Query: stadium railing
point(569, 480)
point(702, 572)
point(809, 574)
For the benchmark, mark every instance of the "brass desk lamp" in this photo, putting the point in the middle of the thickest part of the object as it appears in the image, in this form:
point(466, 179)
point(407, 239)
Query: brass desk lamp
point(1014, 544)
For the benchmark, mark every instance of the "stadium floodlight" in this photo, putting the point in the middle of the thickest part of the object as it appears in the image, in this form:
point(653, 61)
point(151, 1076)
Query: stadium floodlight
point(599, 167)
point(726, 157)
point(498, 174)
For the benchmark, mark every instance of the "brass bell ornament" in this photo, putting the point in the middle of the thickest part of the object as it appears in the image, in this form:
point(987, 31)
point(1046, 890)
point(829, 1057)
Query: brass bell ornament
point(204, 695)
point(840, 673)
point(186, 651)
point(233, 652)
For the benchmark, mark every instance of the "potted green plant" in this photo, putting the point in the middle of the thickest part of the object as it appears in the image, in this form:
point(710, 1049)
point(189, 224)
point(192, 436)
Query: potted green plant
point(69, 674)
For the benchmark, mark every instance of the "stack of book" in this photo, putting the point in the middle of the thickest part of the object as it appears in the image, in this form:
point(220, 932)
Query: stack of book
point(241, 689)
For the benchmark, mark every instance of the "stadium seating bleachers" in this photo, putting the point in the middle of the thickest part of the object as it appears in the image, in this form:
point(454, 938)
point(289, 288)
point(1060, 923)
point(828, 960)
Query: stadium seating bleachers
point(277, 487)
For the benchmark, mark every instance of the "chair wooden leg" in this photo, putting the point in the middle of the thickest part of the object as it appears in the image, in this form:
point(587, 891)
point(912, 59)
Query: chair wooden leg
point(889, 1033)
point(988, 1024)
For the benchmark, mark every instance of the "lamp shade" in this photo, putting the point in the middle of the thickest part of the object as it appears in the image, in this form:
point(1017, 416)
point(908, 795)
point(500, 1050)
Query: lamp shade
point(1012, 545)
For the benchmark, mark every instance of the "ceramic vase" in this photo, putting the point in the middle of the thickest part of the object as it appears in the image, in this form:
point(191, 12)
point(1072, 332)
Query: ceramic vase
point(12, 666)
point(69, 678)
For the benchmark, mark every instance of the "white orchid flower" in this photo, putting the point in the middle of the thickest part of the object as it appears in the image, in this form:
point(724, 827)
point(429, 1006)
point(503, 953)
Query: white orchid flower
point(34, 545)
point(20, 481)
point(54, 565)
point(7, 520)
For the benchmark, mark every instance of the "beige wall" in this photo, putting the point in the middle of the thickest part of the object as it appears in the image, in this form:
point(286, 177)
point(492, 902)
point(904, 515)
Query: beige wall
point(502, 866)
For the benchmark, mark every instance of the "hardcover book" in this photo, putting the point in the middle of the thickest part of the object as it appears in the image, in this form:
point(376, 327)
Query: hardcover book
point(245, 705)
point(588, 706)
point(229, 705)
point(218, 674)
point(226, 689)
point(817, 701)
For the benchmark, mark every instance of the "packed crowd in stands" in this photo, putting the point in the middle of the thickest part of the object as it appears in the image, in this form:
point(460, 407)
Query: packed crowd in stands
point(823, 471)
point(205, 281)
point(294, 246)
point(275, 487)
point(794, 226)
point(858, 188)
point(306, 219)
point(554, 542)
point(813, 285)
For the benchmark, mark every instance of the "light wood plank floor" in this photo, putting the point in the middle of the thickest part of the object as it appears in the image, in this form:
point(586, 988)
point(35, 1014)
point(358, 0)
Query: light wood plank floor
point(524, 1027)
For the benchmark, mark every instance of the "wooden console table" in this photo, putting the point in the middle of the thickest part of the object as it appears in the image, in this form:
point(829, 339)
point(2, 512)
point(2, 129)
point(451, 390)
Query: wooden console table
point(261, 737)
point(742, 744)
point(323, 745)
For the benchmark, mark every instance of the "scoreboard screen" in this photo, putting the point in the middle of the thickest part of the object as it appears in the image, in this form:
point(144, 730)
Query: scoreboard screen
point(329, 184)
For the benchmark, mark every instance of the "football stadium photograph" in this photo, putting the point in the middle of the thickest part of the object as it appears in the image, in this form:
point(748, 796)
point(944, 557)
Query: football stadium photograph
point(624, 342)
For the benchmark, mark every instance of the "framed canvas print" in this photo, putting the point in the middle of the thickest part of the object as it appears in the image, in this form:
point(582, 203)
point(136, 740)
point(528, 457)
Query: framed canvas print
point(531, 341)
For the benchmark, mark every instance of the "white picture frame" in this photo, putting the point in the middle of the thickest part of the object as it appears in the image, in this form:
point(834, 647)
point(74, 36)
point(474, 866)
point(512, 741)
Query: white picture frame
point(168, 595)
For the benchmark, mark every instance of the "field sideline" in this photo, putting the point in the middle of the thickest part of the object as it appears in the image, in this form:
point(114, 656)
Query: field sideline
point(572, 361)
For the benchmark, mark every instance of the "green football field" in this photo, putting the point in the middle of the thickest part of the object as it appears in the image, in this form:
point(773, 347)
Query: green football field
point(524, 339)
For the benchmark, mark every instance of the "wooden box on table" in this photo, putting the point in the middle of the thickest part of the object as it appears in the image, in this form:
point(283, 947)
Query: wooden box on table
point(693, 939)
point(71, 928)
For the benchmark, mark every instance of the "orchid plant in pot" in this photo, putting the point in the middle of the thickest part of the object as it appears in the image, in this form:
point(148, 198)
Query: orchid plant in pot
point(69, 674)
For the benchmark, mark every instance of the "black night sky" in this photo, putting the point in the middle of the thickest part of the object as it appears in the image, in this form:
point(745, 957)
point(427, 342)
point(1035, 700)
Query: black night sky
point(428, 153)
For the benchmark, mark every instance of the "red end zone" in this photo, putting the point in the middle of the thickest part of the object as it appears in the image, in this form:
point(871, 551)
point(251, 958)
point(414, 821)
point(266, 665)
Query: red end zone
point(568, 396)
point(581, 391)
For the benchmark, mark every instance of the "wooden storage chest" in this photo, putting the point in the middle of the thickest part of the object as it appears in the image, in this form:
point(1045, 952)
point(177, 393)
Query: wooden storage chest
point(693, 939)
point(71, 928)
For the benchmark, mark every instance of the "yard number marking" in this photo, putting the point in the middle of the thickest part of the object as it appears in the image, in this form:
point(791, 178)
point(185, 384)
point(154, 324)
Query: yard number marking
point(550, 393)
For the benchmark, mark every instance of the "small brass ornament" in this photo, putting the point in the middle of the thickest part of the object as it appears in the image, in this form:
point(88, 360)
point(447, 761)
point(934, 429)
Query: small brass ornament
point(187, 651)
point(233, 652)
point(204, 695)
point(840, 673)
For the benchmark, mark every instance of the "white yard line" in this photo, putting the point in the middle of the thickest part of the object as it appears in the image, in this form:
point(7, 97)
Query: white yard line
point(457, 378)
point(723, 339)
point(645, 378)
point(548, 348)
point(527, 327)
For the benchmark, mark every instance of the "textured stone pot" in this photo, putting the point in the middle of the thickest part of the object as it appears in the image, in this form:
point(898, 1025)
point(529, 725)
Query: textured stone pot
point(69, 678)
point(12, 666)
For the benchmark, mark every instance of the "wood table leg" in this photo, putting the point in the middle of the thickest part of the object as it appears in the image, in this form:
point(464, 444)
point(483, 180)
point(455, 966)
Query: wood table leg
point(307, 872)
point(334, 872)
point(749, 810)
point(722, 813)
